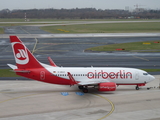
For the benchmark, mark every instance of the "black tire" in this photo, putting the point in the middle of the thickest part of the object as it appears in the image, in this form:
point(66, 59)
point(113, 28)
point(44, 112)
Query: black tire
point(85, 90)
point(80, 87)
point(137, 87)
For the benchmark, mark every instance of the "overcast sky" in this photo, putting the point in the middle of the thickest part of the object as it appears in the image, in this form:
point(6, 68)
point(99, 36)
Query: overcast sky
point(98, 4)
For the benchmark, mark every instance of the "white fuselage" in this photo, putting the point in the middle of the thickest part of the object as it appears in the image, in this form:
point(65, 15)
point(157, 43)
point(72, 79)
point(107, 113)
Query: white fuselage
point(100, 74)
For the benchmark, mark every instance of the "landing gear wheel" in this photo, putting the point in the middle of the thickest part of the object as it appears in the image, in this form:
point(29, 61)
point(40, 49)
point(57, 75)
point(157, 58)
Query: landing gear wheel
point(137, 87)
point(85, 90)
point(80, 87)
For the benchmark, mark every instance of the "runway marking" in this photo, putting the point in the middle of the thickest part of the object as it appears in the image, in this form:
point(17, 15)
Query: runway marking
point(38, 50)
point(64, 93)
point(24, 30)
point(53, 50)
point(70, 43)
point(140, 58)
point(34, 48)
point(41, 48)
point(80, 93)
point(18, 98)
point(111, 103)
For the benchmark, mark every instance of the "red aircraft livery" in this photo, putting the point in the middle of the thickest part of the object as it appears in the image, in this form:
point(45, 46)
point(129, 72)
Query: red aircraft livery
point(101, 78)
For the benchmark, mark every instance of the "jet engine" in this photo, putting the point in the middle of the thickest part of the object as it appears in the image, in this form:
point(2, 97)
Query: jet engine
point(108, 86)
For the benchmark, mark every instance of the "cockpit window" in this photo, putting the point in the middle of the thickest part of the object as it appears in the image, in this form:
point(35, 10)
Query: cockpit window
point(145, 73)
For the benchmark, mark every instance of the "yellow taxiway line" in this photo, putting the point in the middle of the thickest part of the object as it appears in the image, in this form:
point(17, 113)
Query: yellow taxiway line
point(112, 106)
point(34, 46)
point(17, 98)
point(111, 103)
point(140, 58)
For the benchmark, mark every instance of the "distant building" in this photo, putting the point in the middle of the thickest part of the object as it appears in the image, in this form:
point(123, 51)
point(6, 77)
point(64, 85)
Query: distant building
point(139, 10)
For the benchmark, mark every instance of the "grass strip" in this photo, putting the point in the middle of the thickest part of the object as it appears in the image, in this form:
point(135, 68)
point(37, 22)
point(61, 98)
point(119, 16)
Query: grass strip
point(151, 70)
point(55, 20)
point(1, 30)
point(106, 28)
point(154, 46)
point(7, 73)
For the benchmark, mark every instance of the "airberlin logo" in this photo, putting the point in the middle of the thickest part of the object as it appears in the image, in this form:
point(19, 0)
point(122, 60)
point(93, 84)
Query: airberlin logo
point(107, 87)
point(20, 53)
point(121, 74)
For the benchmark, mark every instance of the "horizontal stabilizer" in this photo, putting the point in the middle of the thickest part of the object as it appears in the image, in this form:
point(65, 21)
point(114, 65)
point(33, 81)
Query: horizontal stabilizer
point(12, 66)
point(21, 71)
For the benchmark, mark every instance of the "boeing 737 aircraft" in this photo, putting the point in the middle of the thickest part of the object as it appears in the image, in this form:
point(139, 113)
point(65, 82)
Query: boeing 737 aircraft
point(101, 78)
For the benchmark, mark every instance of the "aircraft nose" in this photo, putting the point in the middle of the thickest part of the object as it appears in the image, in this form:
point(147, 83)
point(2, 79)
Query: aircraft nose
point(151, 77)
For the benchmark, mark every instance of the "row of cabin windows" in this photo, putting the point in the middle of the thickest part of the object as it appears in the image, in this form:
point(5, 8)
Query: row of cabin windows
point(87, 75)
point(72, 74)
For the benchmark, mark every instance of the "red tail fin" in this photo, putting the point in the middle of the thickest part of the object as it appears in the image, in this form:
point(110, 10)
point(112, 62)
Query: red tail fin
point(23, 57)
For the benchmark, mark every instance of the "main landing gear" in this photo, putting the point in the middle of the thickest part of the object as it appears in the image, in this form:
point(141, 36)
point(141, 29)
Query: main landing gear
point(83, 88)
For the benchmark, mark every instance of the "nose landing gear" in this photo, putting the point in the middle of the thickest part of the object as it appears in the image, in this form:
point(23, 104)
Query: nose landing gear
point(143, 84)
point(137, 87)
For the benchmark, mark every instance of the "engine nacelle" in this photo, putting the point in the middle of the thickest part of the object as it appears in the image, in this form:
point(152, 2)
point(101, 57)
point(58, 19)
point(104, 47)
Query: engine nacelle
point(108, 86)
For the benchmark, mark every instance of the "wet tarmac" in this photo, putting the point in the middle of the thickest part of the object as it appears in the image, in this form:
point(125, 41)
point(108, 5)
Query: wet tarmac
point(26, 100)
point(70, 52)
point(23, 99)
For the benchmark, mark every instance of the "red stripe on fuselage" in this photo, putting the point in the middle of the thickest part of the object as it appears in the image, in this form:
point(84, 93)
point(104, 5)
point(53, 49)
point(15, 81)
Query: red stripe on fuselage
point(44, 75)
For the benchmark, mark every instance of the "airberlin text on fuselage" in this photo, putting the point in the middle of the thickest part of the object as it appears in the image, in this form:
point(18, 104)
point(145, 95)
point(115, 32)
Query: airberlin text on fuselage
point(112, 75)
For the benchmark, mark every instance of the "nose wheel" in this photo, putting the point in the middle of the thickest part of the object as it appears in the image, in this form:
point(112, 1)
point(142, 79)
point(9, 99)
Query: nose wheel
point(137, 87)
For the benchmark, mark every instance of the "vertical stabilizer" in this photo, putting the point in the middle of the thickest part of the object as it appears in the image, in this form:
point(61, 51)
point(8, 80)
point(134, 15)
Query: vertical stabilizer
point(23, 57)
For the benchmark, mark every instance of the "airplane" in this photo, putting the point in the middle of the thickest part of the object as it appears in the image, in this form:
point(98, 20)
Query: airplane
point(101, 78)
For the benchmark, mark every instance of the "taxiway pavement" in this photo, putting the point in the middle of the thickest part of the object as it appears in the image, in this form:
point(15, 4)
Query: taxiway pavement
point(35, 100)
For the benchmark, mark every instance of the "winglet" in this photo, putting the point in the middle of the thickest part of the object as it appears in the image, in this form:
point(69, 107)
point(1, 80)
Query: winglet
point(51, 62)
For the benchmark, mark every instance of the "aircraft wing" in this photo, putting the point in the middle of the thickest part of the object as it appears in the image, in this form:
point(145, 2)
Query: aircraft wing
point(88, 83)
point(73, 81)
point(92, 82)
